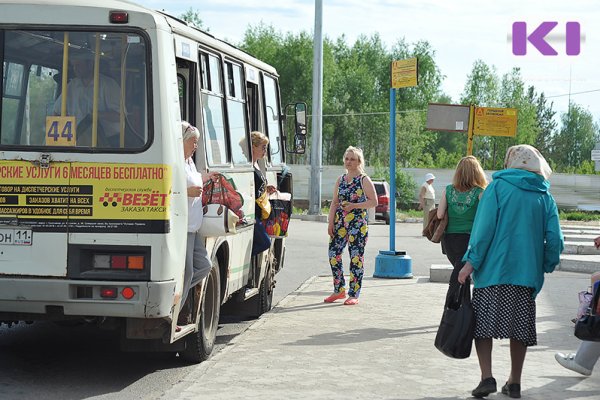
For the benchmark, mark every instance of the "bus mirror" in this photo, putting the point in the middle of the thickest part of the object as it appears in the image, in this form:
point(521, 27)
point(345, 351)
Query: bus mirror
point(299, 139)
point(300, 111)
point(300, 144)
point(300, 131)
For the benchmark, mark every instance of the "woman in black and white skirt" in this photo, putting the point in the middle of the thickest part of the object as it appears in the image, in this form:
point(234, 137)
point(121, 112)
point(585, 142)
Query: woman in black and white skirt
point(516, 238)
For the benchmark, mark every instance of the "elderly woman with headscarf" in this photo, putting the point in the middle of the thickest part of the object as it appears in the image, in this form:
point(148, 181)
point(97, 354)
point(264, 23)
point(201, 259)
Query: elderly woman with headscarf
point(516, 238)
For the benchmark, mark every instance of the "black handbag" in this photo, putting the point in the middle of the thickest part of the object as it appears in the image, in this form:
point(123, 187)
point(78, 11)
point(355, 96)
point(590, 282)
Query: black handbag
point(587, 326)
point(455, 334)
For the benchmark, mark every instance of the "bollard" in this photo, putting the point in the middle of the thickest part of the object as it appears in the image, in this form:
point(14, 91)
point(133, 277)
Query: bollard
point(393, 264)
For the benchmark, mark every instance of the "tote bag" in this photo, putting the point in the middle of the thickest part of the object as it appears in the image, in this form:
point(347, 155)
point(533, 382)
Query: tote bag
point(218, 220)
point(587, 326)
point(454, 337)
point(278, 221)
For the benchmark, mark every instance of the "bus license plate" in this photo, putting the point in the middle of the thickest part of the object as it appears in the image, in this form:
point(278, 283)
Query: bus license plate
point(15, 236)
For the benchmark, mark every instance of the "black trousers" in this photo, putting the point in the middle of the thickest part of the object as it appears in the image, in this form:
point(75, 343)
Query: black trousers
point(455, 245)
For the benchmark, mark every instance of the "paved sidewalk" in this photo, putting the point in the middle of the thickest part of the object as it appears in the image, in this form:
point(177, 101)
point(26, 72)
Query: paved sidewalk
point(382, 349)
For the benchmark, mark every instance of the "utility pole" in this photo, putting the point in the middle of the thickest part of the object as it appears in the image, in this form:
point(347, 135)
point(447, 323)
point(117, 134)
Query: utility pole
point(314, 202)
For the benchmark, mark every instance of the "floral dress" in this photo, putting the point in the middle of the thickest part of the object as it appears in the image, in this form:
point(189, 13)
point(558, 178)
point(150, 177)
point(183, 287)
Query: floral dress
point(349, 228)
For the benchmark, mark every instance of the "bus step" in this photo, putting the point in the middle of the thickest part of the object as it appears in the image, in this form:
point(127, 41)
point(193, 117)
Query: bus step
point(250, 293)
point(185, 330)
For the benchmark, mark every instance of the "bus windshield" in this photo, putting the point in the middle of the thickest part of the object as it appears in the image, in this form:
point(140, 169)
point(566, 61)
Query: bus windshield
point(102, 75)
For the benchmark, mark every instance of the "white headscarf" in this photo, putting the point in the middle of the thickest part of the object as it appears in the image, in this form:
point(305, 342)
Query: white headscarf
point(524, 156)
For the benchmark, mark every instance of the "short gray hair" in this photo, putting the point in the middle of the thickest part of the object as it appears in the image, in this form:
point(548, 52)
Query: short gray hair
point(189, 131)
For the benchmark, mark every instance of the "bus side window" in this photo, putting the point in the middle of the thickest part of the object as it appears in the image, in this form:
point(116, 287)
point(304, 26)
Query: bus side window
point(253, 101)
point(182, 91)
point(212, 104)
point(236, 112)
point(272, 112)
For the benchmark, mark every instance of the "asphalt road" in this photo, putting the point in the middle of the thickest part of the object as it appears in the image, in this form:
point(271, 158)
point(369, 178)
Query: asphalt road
point(45, 361)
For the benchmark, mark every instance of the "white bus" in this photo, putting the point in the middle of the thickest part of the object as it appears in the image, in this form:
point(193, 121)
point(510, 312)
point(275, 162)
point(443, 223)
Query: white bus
point(93, 204)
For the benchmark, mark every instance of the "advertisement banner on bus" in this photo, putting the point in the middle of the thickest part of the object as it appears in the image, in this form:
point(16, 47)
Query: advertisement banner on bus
point(86, 197)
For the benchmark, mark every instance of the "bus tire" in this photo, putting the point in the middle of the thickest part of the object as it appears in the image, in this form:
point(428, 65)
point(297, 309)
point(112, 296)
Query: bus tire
point(265, 292)
point(199, 345)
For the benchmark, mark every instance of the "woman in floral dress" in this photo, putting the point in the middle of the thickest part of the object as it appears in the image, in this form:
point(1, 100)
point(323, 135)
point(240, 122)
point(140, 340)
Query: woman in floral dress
point(354, 194)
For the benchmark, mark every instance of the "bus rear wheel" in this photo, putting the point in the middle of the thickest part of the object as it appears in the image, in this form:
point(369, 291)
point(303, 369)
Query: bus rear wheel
point(199, 345)
point(265, 294)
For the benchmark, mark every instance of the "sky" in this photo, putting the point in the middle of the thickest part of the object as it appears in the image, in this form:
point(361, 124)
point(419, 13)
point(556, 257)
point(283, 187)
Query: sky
point(460, 32)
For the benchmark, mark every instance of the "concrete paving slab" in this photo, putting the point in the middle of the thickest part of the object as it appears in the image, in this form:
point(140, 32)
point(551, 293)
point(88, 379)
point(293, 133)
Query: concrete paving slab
point(587, 239)
point(382, 348)
point(579, 263)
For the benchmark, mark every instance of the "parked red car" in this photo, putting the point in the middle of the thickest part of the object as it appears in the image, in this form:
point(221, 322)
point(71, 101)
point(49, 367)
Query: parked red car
point(382, 211)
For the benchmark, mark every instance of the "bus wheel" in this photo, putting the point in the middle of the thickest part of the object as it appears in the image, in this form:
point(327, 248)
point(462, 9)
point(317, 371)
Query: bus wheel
point(265, 294)
point(199, 345)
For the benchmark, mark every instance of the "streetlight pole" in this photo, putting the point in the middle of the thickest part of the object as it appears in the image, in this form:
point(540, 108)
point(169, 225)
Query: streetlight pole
point(314, 206)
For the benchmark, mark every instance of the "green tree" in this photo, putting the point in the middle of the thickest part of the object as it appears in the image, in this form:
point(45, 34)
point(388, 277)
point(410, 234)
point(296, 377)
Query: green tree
point(512, 95)
point(406, 187)
point(545, 119)
point(411, 143)
point(263, 42)
point(576, 139)
point(357, 93)
point(482, 89)
point(192, 17)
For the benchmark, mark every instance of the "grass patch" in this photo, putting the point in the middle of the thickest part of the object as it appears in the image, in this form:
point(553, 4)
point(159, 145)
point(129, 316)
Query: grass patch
point(566, 215)
point(404, 214)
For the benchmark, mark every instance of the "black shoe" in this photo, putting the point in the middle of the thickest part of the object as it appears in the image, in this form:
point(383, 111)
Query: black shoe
point(485, 387)
point(512, 390)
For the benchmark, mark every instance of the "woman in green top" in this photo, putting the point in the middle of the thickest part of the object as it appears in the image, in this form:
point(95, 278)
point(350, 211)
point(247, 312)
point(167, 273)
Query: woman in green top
point(460, 200)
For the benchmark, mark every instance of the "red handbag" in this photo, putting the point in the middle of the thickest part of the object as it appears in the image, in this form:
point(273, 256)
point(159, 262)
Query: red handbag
point(220, 190)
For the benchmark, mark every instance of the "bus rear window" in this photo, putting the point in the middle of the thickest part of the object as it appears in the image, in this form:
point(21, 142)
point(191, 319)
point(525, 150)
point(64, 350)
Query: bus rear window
point(77, 90)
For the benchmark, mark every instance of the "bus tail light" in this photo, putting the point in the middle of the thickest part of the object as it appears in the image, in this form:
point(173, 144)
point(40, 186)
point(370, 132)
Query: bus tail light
point(135, 262)
point(118, 17)
point(108, 292)
point(127, 293)
point(119, 262)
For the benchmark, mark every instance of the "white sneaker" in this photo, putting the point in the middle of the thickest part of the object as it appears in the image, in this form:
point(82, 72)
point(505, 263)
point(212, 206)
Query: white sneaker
point(568, 361)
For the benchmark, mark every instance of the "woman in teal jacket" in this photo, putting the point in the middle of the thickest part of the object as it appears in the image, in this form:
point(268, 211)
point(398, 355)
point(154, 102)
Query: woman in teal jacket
point(516, 238)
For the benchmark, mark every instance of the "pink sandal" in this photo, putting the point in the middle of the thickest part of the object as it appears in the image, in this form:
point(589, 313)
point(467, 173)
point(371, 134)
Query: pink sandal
point(350, 301)
point(335, 296)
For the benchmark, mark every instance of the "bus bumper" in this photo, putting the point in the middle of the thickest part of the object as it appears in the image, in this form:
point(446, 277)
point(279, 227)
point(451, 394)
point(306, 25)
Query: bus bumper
point(51, 299)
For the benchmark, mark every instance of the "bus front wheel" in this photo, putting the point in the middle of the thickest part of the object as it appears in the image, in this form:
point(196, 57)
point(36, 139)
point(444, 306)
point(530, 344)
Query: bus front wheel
point(199, 345)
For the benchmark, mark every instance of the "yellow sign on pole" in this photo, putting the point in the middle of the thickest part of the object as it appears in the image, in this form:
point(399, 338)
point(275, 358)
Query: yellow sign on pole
point(404, 73)
point(495, 121)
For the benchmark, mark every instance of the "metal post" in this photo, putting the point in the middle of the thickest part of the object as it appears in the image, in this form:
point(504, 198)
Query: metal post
point(314, 204)
point(393, 170)
point(392, 263)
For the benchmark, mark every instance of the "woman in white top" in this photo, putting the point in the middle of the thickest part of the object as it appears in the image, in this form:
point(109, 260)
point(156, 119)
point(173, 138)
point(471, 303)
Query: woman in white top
point(197, 262)
point(427, 197)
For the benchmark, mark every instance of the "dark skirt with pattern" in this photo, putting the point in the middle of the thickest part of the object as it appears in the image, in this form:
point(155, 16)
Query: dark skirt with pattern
point(505, 312)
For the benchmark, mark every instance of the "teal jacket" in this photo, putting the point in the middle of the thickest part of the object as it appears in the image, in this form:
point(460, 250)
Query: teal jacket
point(516, 234)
